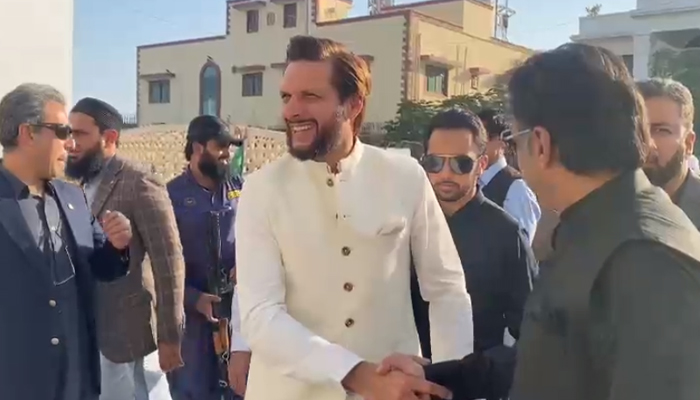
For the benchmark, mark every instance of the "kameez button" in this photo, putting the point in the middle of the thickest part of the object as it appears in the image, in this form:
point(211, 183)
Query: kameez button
point(330, 182)
point(346, 251)
point(52, 303)
point(348, 287)
point(55, 341)
point(349, 322)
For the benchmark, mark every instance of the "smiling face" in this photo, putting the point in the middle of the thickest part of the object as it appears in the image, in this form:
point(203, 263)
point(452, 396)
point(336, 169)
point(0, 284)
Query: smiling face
point(312, 109)
point(212, 159)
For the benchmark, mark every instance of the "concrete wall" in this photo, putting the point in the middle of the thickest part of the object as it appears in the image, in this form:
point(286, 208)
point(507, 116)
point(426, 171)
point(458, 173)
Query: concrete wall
point(440, 40)
point(36, 43)
point(391, 41)
point(630, 33)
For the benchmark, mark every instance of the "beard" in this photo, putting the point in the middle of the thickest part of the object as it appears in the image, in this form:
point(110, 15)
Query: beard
point(213, 168)
point(661, 175)
point(327, 137)
point(88, 166)
point(454, 193)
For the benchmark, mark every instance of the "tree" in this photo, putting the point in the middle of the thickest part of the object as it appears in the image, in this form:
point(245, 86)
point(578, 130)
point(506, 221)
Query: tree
point(412, 117)
point(593, 11)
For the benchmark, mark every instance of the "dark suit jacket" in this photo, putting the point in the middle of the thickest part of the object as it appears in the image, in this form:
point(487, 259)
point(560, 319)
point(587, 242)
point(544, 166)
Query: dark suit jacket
point(29, 364)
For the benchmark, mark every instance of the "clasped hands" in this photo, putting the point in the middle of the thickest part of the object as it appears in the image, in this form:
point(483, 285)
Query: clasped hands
point(397, 377)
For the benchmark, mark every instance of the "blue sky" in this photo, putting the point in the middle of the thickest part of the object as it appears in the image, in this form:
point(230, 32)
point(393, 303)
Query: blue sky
point(107, 33)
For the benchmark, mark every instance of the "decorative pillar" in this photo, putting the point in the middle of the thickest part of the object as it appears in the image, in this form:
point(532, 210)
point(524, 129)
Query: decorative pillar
point(642, 55)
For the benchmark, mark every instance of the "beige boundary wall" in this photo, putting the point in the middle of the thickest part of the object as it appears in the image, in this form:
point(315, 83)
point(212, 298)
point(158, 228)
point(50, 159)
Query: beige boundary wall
point(161, 147)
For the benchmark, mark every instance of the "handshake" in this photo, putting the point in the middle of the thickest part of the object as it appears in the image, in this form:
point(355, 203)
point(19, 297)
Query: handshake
point(397, 377)
point(481, 375)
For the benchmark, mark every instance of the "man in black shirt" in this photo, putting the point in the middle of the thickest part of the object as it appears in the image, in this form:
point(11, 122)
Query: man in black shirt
point(496, 257)
point(615, 313)
point(53, 251)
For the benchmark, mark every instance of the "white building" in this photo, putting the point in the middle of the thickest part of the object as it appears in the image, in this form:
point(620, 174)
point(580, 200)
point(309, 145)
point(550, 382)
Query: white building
point(36, 43)
point(636, 35)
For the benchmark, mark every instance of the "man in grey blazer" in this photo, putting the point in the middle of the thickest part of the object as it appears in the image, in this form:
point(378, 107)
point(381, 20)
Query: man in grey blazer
point(142, 312)
point(670, 108)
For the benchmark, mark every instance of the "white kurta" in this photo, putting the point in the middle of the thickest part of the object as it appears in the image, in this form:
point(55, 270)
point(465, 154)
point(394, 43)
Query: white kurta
point(323, 271)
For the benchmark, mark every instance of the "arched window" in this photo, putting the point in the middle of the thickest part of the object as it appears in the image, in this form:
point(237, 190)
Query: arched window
point(210, 89)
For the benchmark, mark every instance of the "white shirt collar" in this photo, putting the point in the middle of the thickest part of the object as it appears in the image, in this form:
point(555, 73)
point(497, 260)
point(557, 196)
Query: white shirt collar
point(491, 171)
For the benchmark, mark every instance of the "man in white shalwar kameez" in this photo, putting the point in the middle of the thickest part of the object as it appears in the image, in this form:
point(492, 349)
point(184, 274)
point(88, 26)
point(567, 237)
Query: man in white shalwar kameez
point(325, 237)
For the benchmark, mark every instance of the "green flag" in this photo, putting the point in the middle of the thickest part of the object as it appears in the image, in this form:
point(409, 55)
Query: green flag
point(238, 161)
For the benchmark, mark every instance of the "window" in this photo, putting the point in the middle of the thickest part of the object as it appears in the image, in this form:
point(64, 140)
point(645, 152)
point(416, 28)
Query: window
point(629, 62)
point(252, 84)
point(159, 92)
point(436, 79)
point(474, 81)
point(270, 19)
point(290, 15)
point(252, 17)
point(210, 89)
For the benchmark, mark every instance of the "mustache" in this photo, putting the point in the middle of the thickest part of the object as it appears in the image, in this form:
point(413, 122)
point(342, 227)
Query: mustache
point(451, 183)
point(300, 121)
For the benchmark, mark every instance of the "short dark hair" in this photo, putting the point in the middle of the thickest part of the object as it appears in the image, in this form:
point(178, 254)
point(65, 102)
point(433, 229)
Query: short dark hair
point(585, 97)
point(672, 90)
point(351, 76)
point(494, 122)
point(456, 118)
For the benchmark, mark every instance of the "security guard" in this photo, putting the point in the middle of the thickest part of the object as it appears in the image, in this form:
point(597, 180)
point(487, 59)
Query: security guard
point(205, 189)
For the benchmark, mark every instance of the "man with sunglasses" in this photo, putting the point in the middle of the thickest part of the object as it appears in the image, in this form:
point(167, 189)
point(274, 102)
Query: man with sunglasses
point(52, 250)
point(507, 188)
point(615, 314)
point(501, 182)
point(495, 253)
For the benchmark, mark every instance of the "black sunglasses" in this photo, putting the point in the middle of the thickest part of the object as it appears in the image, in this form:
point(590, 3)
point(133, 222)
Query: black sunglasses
point(460, 165)
point(63, 132)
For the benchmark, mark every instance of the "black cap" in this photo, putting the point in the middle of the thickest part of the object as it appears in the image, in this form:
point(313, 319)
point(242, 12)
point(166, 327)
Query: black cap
point(208, 127)
point(105, 116)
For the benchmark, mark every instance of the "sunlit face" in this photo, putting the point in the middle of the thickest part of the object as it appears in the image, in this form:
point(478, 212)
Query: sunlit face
point(47, 148)
point(311, 109)
point(528, 145)
point(673, 141)
point(86, 152)
point(450, 149)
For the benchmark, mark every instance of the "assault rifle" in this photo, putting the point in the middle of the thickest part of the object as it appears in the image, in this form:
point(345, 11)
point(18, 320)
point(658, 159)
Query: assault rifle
point(220, 285)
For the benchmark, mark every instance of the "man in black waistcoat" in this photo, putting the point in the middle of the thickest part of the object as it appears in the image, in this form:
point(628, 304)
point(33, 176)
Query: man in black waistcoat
point(498, 263)
point(615, 312)
point(501, 183)
point(671, 111)
point(52, 251)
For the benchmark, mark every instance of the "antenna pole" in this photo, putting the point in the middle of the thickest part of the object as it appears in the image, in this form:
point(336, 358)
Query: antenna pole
point(495, 18)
